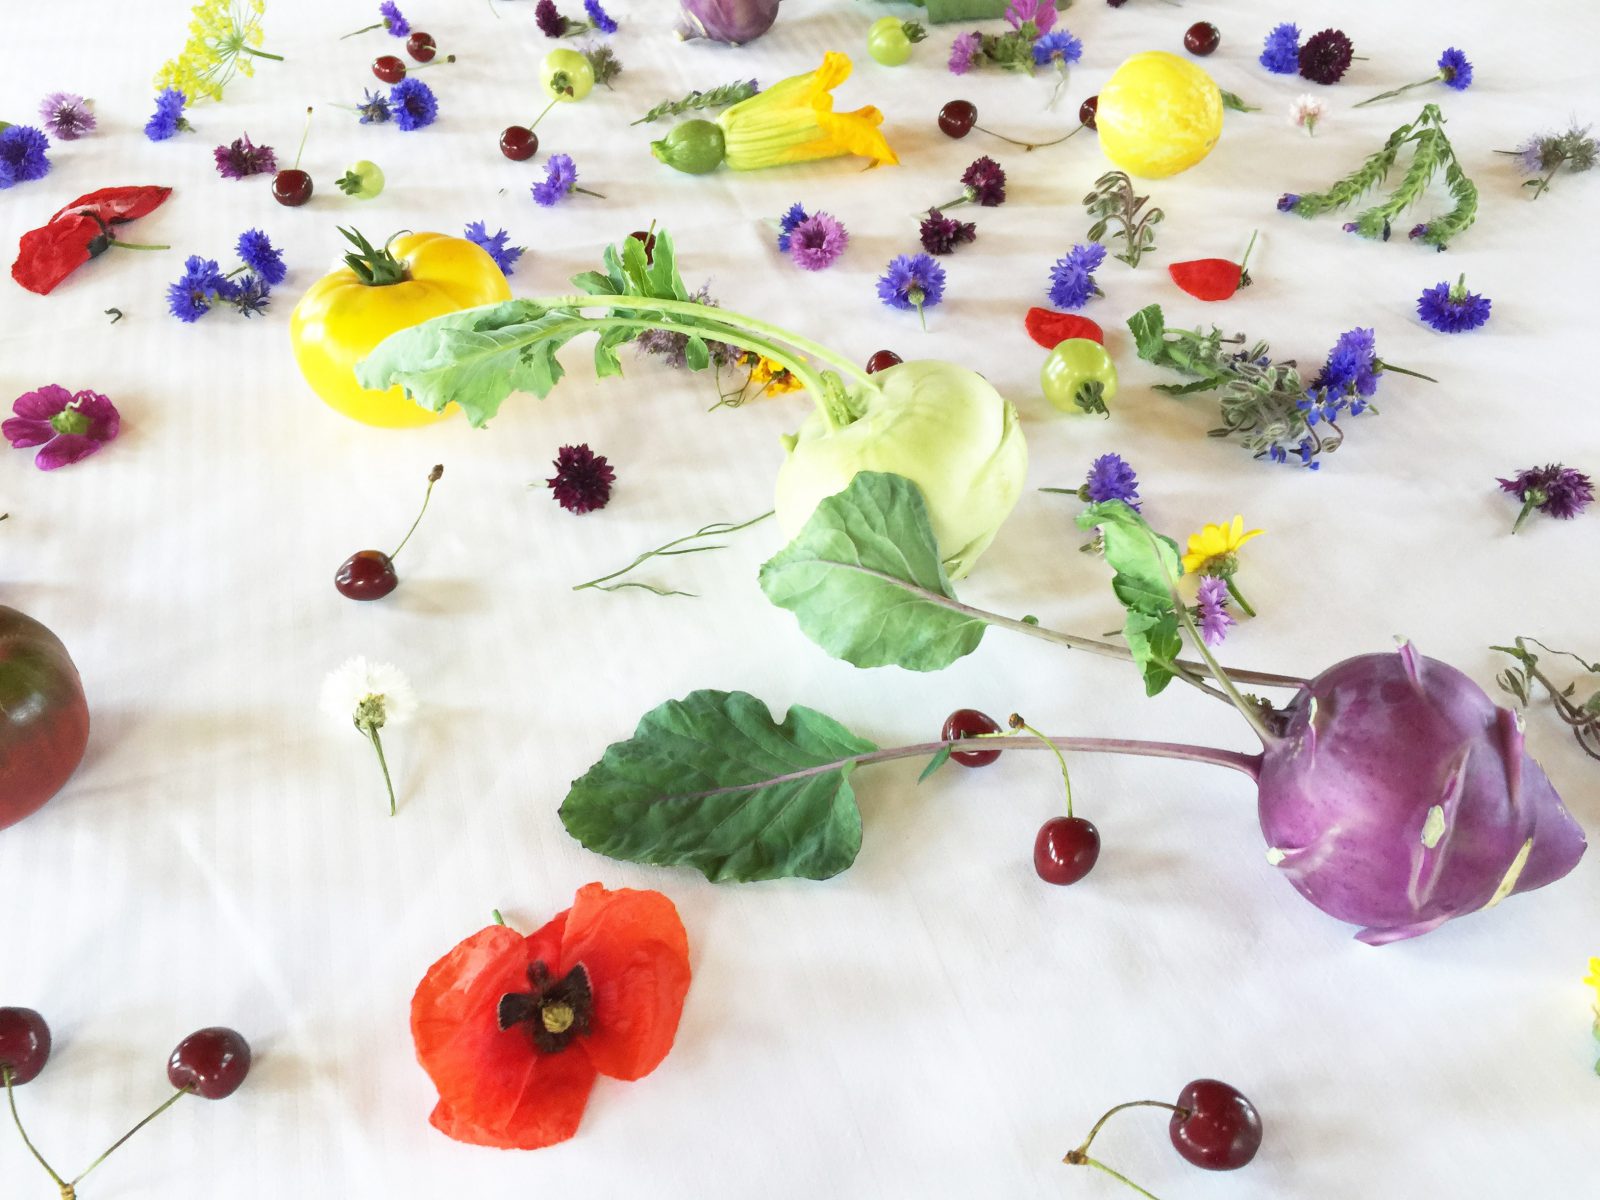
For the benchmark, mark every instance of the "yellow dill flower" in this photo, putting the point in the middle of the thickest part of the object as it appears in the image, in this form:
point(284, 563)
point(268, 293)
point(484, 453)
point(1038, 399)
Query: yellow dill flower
point(1214, 547)
point(224, 39)
point(793, 121)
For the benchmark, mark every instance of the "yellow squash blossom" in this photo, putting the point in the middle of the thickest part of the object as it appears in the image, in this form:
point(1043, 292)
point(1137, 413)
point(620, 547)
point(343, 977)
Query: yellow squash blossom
point(1214, 544)
point(793, 121)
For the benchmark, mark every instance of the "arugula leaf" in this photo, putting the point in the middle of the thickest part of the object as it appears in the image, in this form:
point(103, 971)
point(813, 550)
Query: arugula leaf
point(864, 580)
point(1144, 565)
point(1149, 329)
point(713, 782)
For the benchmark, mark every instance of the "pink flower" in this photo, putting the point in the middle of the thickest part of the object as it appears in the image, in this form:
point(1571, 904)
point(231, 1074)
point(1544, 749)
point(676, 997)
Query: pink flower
point(818, 241)
point(66, 427)
point(1041, 12)
point(962, 51)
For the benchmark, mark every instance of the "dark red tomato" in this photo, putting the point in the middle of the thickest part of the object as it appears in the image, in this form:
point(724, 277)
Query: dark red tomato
point(44, 720)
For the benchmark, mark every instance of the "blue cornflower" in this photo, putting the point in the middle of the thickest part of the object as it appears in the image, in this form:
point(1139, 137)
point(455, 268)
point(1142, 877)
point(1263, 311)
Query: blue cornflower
point(414, 104)
point(1352, 364)
point(168, 118)
point(788, 223)
point(561, 177)
point(1058, 46)
point(1453, 309)
point(598, 16)
point(1072, 276)
point(1280, 53)
point(1455, 70)
point(22, 155)
point(912, 281)
point(249, 294)
point(505, 257)
point(201, 284)
point(1111, 478)
point(374, 108)
point(257, 252)
point(396, 24)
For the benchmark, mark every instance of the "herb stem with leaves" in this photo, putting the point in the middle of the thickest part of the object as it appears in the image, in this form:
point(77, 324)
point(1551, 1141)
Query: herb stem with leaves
point(1582, 718)
point(1113, 199)
point(717, 97)
point(670, 549)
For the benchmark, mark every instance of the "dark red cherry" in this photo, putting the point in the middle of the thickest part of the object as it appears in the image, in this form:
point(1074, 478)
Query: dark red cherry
point(1065, 850)
point(366, 575)
point(1087, 111)
point(24, 1043)
point(210, 1062)
point(1202, 38)
point(1116, 3)
point(389, 68)
point(291, 186)
point(421, 46)
point(969, 722)
point(518, 142)
point(958, 117)
point(649, 240)
point(882, 361)
point(1215, 1127)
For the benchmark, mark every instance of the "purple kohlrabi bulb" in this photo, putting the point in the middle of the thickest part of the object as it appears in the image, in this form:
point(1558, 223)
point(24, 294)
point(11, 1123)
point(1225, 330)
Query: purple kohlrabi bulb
point(1400, 796)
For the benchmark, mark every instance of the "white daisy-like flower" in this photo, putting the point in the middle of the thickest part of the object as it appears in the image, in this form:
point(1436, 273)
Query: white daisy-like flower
point(1306, 110)
point(378, 691)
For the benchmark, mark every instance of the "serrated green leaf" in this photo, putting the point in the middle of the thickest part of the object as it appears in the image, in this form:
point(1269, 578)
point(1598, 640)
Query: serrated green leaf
point(713, 782)
point(1154, 642)
point(1144, 562)
point(940, 757)
point(593, 283)
point(1149, 332)
point(864, 580)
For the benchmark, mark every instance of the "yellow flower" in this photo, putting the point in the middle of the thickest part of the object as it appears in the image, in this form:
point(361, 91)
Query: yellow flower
point(223, 36)
point(1593, 980)
point(1216, 542)
point(776, 379)
point(793, 121)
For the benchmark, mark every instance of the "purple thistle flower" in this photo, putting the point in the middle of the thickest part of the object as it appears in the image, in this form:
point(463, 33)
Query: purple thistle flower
point(66, 427)
point(1455, 70)
point(551, 23)
point(257, 252)
point(1111, 478)
point(985, 180)
point(396, 24)
point(1555, 490)
point(1072, 276)
point(1059, 46)
point(599, 17)
point(561, 176)
point(1453, 309)
point(243, 157)
point(1211, 608)
point(66, 116)
point(168, 118)
point(962, 52)
point(788, 223)
point(941, 234)
point(1041, 12)
point(583, 479)
point(1280, 53)
point(912, 281)
point(374, 108)
point(414, 104)
point(22, 155)
point(505, 257)
point(818, 241)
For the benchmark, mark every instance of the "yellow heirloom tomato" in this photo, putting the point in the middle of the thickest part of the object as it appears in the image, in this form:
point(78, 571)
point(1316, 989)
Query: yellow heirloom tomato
point(347, 312)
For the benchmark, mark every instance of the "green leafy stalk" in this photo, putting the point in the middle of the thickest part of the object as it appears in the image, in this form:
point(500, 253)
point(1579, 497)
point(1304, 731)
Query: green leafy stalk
point(1360, 181)
point(1236, 104)
point(1429, 152)
point(717, 97)
point(668, 550)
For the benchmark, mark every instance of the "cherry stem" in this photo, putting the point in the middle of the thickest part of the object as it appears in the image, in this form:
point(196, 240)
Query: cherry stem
point(11, 1098)
point(304, 134)
point(438, 62)
point(1029, 146)
point(433, 478)
point(1016, 722)
point(1083, 1147)
point(161, 1108)
point(377, 744)
point(1095, 1162)
point(542, 115)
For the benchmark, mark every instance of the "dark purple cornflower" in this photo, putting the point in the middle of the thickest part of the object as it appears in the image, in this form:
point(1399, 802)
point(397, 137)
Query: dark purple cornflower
point(818, 241)
point(583, 479)
point(1554, 490)
point(1280, 53)
point(912, 281)
point(66, 427)
point(505, 256)
point(414, 104)
point(788, 223)
point(66, 116)
point(1326, 56)
point(1111, 478)
point(551, 23)
point(258, 253)
point(1211, 609)
point(985, 180)
point(1453, 309)
point(243, 157)
point(941, 234)
point(22, 155)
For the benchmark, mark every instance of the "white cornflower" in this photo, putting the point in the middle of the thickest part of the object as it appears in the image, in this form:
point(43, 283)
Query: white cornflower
point(369, 696)
point(1306, 110)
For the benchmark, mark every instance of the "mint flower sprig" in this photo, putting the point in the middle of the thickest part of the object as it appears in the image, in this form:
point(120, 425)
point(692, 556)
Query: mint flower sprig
point(717, 97)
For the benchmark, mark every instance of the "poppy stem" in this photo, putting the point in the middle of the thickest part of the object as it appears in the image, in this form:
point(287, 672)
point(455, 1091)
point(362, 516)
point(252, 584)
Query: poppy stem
point(134, 245)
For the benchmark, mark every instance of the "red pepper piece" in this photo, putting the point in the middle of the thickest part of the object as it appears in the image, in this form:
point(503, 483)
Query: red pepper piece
point(1209, 278)
point(1050, 328)
point(115, 205)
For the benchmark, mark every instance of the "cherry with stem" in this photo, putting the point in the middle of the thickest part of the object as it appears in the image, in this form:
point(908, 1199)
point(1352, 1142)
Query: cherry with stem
point(370, 574)
point(1213, 1125)
point(959, 118)
point(1065, 848)
point(292, 187)
point(520, 142)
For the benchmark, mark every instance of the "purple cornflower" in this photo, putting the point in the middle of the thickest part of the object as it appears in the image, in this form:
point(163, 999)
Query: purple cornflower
point(986, 182)
point(243, 158)
point(1352, 364)
point(912, 281)
point(1453, 309)
point(551, 23)
point(1072, 276)
point(168, 118)
point(1059, 46)
point(1326, 56)
point(1287, 202)
point(1041, 12)
point(599, 17)
point(962, 52)
point(941, 234)
point(65, 427)
point(193, 294)
point(1455, 70)
point(1111, 478)
point(1211, 608)
point(248, 294)
point(818, 241)
point(1555, 490)
point(505, 257)
point(22, 155)
point(396, 24)
point(561, 177)
point(257, 252)
point(414, 104)
point(374, 108)
point(583, 479)
point(66, 116)
point(788, 223)
point(1280, 53)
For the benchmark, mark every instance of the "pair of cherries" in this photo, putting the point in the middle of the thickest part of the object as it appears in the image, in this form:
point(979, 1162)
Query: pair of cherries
point(391, 68)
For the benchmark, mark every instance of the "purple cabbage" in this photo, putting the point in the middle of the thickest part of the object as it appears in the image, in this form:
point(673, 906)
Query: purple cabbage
point(732, 21)
point(1399, 795)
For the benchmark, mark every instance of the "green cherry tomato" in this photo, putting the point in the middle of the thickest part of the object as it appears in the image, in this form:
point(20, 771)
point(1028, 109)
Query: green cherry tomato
point(889, 40)
point(566, 75)
point(363, 180)
point(1079, 376)
point(693, 147)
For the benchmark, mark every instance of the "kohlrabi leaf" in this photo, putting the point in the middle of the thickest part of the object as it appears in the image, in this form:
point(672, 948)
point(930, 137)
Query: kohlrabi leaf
point(1145, 566)
point(1156, 642)
point(713, 782)
point(864, 579)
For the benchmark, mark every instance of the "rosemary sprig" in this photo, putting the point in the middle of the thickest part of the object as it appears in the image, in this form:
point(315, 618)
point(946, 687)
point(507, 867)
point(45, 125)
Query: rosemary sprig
point(1583, 718)
point(669, 550)
point(1113, 199)
point(717, 97)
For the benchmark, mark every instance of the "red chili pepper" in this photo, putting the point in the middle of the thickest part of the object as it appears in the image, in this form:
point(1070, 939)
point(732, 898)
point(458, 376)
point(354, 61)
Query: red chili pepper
point(1212, 278)
point(79, 232)
point(1050, 328)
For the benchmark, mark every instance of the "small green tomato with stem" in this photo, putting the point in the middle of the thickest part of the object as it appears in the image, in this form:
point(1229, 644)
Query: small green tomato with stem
point(363, 180)
point(1079, 376)
point(566, 75)
point(890, 39)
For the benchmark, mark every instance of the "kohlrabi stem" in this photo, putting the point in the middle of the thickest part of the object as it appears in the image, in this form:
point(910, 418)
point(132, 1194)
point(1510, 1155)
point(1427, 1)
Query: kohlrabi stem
point(11, 1099)
point(168, 1103)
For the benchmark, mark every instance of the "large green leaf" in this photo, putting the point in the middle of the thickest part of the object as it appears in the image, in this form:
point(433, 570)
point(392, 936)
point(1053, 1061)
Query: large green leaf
point(1146, 566)
point(865, 581)
point(713, 782)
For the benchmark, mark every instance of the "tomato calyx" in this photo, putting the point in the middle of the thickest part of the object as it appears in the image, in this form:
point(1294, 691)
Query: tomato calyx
point(373, 266)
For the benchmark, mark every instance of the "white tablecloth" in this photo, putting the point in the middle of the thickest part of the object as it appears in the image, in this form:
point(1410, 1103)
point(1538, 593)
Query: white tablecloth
point(936, 1021)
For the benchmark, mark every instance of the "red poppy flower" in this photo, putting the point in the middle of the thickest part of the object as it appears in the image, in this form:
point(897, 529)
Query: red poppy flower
point(79, 232)
point(513, 1029)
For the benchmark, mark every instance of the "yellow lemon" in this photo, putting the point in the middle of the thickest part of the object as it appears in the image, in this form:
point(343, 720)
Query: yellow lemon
point(1158, 115)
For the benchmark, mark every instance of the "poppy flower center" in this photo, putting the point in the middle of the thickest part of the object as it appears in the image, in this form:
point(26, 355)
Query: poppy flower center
point(554, 1011)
